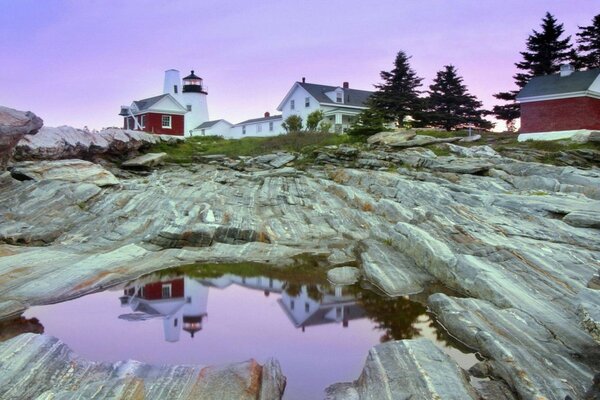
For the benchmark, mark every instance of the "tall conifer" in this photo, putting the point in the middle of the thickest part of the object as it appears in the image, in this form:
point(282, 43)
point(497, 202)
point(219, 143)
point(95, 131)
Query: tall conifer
point(588, 39)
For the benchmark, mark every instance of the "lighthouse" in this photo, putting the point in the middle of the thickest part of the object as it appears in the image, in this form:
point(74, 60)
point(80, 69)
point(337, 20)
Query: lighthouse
point(193, 98)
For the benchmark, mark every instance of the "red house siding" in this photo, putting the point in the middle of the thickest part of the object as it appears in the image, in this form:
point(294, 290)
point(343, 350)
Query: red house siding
point(153, 124)
point(560, 115)
point(153, 291)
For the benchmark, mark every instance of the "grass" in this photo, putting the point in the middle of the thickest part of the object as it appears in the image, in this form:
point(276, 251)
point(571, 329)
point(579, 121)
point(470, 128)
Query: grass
point(299, 142)
point(444, 134)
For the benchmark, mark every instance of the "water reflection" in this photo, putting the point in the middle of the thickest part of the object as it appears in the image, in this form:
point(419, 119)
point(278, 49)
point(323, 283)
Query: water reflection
point(181, 301)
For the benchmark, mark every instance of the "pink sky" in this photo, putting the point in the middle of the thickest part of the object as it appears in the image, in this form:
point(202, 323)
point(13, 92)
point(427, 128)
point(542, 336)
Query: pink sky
point(75, 62)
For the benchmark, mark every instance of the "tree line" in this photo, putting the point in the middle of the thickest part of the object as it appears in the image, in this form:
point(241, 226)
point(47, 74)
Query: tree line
point(449, 105)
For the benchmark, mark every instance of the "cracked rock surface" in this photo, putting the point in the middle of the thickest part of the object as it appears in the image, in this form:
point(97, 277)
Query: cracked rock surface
point(518, 240)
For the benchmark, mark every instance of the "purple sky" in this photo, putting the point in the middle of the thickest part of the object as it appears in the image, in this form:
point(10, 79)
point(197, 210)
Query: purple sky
point(75, 62)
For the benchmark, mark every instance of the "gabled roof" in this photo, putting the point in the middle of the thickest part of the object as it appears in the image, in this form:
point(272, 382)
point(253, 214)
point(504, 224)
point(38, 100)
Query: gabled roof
point(549, 85)
point(144, 104)
point(209, 124)
point(147, 104)
point(255, 120)
point(352, 97)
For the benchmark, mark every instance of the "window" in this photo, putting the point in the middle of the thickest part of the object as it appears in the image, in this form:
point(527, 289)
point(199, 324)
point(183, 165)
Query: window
point(306, 307)
point(175, 322)
point(203, 132)
point(292, 304)
point(259, 128)
point(143, 121)
point(189, 107)
point(270, 127)
point(175, 89)
point(338, 97)
point(166, 121)
point(243, 129)
point(166, 291)
point(307, 102)
point(292, 104)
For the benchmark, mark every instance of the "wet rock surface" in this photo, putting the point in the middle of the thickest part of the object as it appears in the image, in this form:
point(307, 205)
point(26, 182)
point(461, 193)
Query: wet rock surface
point(517, 239)
point(60, 374)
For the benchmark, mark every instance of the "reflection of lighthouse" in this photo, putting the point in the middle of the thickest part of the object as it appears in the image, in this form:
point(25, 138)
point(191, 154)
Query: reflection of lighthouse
point(181, 303)
point(195, 306)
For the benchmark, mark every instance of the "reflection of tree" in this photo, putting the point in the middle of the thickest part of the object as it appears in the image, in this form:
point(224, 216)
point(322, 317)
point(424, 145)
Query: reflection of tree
point(292, 289)
point(15, 326)
point(314, 293)
point(394, 316)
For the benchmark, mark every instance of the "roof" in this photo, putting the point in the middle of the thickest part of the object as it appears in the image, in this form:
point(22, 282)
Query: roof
point(352, 97)
point(263, 119)
point(547, 85)
point(209, 124)
point(192, 76)
point(145, 104)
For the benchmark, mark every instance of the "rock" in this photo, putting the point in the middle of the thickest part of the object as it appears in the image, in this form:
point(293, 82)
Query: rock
point(584, 219)
point(421, 140)
point(472, 138)
point(66, 142)
point(389, 138)
point(474, 151)
point(282, 159)
point(346, 152)
point(14, 125)
point(594, 137)
point(77, 171)
point(407, 369)
point(198, 235)
point(343, 275)
point(40, 366)
point(146, 161)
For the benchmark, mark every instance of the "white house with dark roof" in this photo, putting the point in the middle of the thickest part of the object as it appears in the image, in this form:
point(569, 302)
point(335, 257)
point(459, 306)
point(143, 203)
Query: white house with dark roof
point(218, 127)
point(268, 125)
point(339, 104)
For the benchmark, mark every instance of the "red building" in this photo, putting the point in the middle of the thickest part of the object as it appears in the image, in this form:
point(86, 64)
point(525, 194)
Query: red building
point(160, 114)
point(561, 103)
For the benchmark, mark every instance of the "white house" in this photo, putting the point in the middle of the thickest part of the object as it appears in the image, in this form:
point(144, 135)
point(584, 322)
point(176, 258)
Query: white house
point(269, 125)
point(218, 127)
point(339, 104)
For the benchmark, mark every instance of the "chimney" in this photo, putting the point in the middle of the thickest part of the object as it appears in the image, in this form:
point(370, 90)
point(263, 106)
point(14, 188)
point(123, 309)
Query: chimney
point(267, 114)
point(303, 80)
point(346, 85)
point(566, 70)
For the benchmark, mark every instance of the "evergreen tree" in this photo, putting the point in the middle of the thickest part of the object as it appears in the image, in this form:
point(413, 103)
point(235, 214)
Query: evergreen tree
point(589, 45)
point(367, 123)
point(450, 105)
point(398, 97)
point(545, 52)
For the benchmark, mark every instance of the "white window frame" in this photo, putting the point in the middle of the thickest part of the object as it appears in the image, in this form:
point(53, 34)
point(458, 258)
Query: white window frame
point(143, 121)
point(170, 121)
point(258, 128)
point(189, 107)
point(243, 129)
point(339, 97)
point(292, 104)
point(169, 288)
point(307, 102)
point(271, 126)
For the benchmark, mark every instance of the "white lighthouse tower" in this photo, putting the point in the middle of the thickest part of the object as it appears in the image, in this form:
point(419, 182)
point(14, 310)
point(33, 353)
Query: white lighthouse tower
point(195, 308)
point(194, 95)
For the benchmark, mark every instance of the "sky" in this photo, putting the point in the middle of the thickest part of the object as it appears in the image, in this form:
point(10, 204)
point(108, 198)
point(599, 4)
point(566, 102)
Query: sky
point(75, 62)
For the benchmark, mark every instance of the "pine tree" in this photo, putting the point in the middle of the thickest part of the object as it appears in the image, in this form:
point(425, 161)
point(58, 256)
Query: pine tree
point(450, 105)
point(398, 96)
point(589, 45)
point(546, 51)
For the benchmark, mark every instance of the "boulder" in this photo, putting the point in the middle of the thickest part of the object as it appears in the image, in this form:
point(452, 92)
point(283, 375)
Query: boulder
point(391, 138)
point(146, 161)
point(66, 142)
point(474, 151)
point(407, 369)
point(421, 140)
point(14, 125)
point(472, 138)
point(77, 171)
point(343, 275)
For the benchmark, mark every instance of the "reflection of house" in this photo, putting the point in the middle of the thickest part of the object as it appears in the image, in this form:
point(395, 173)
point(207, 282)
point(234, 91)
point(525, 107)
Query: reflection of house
point(180, 302)
point(305, 311)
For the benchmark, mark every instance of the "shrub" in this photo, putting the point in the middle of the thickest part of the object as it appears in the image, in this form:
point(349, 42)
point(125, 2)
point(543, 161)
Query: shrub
point(293, 123)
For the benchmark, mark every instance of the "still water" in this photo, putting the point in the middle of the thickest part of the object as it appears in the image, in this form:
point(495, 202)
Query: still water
point(319, 333)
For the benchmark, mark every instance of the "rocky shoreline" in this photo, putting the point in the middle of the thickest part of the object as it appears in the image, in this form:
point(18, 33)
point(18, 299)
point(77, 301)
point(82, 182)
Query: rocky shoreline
point(519, 240)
